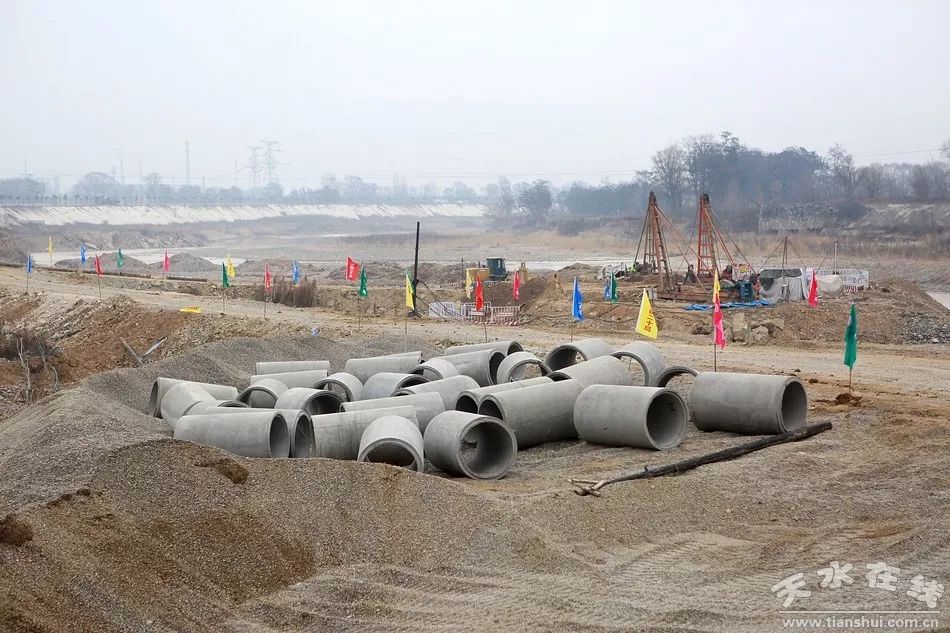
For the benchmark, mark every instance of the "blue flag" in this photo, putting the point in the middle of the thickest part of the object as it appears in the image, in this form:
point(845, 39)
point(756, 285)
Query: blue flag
point(576, 310)
point(295, 270)
point(607, 285)
point(29, 264)
point(82, 254)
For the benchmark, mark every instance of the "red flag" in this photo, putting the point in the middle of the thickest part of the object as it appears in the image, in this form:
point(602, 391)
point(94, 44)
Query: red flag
point(720, 339)
point(479, 293)
point(167, 264)
point(98, 266)
point(813, 291)
point(267, 278)
point(516, 287)
point(352, 269)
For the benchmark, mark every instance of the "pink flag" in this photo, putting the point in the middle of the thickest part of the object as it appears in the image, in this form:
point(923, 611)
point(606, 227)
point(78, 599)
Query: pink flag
point(813, 291)
point(98, 266)
point(516, 287)
point(167, 264)
point(717, 314)
point(267, 278)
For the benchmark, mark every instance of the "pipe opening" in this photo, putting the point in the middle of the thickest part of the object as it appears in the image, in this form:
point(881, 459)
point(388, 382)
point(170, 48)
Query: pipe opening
point(491, 409)
point(337, 387)
point(279, 438)
point(494, 360)
point(303, 437)
point(391, 452)
point(153, 400)
point(259, 397)
point(324, 402)
point(636, 367)
point(513, 347)
point(467, 404)
point(564, 356)
point(794, 406)
point(666, 420)
point(411, 381)
point(486, 451)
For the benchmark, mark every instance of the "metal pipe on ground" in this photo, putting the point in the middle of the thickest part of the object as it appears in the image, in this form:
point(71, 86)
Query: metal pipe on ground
point(248, 433)
point(603, 370)
point(752, 404)
point(537, 414)
point(263, 394)
point(648, 356)
point(448, 388)
point(313, 401)
point(308, 378)
point(513, 366)
point(347, 385)
point(505, 347)
point(394, 440)
point(482, 365)
point(643, 417)
point(285, 366)
point(364, 368)
point(426, 405)
point(161, 386)
point(436, 369)
point(572, 353)
point(182, 397)
point(469, 400)
point(470, 445)
point(385, 384)
point(337, 435)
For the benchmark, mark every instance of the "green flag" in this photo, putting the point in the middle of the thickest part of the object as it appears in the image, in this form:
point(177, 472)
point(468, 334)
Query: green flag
point(614, 296)
point(225, 281)
point(363, 291)
point(851, 339)
point(118, 259)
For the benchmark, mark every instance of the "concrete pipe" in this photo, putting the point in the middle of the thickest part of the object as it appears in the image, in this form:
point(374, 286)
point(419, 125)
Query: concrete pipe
point(214, 406)
point(312, 401)
point(469, 400)
point(385, 384)
point(263, 394)
point(308, 378)
point(648, 356)
point(337, 435)
point(300, 431)
point(436, 369)
point(347, 385)
point(643, 417)
point(481, 365)
point(513, 366)
point(448, 388)
point(182, 397)
point(671, 372)
point(572, 353)
point(394, 440)
point(248, 433)
point(538, 414)
point(752, 404)
point(603, 370)
point(426, 405)
point(470, 445)
point(284, 366)
point(505, 347)
point(364, 368)
point(161, 386)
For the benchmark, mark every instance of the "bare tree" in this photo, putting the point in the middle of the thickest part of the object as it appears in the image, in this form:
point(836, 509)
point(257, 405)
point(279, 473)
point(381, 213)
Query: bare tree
point(874, 180)
point(945, 149)
point(844, 176)
point(669, 166)
point(920, 183)
point(703, 155)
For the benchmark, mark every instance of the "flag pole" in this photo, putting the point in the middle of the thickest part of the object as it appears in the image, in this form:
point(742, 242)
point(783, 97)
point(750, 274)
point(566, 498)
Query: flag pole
point(265, 303)
point(573, 321)
point(850, 371)
point(99, 281)
point(714, 356)
point(485, 323)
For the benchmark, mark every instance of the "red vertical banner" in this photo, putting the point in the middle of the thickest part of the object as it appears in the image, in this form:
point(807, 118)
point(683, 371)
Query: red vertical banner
point(479, 293)
point(516, 287)
point(352, 269)
point(267, 278)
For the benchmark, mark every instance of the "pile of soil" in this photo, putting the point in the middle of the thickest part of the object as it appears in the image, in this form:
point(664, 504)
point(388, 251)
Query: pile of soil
point(583, 272)
point(11, 250)
point(185, 264)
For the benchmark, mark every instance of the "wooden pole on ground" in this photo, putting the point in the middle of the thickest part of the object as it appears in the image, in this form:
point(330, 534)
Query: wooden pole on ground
point(485, 323)
point(714, 355)
point(99, 281)
point(572, 329)
point(850, 371)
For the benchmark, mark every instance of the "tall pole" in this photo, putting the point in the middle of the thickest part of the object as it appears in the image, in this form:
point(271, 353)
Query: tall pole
point(415, 274)
point(835, 270)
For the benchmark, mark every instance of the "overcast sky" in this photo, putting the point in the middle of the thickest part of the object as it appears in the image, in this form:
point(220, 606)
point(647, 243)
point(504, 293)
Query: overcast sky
point(448, 90)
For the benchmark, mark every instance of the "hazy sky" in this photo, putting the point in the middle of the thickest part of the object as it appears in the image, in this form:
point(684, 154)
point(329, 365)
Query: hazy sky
point(449, 90)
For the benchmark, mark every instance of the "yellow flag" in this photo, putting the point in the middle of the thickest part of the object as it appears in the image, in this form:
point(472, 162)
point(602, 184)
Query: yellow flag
point(229, 267)
point(409, 302)
point(50, 249)
point(191, 310)
point(646, 322)
point(715, 286)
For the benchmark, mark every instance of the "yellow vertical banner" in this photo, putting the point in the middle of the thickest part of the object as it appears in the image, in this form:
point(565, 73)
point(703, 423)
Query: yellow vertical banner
point(646, 322)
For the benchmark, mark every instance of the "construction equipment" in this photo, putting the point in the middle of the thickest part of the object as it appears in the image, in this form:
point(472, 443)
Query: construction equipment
point(708, 235)
point(496, 268)
point(655, 259)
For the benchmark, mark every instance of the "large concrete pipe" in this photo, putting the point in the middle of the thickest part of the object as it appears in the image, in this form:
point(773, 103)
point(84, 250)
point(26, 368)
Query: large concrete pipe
point(644, 417)
point(182, 397)
point(284, 366)
point(337, 435)
point(307, 378)
point(448, 388)
point(385, 384)
point(313, 401)
point(249, 433)
point(603, 370)
point(470, 445)
point(469, 400)
point(426, 405)
point(671, 372)
point(568, 354)
point(753, 404)
point(347, 385)
point(394, 440)
point(538, 414)
point(481, 365)
point(300, 431)
point(505, 347)
point(363, 368)
point(263, 394)
point(161, 386)
point(648, 356)
point(436, 369)
point(513, 367)
point(213, 406)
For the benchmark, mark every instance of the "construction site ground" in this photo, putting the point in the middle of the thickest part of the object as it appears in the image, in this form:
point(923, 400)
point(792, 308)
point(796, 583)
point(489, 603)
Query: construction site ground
point(106, 523)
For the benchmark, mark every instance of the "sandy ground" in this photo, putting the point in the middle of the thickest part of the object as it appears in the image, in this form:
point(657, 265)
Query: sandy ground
point(155, 541)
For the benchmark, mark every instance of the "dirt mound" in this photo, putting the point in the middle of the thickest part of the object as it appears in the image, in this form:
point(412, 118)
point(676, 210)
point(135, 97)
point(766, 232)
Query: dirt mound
point(583, 272)
point(11, 250)
point(185, 263)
